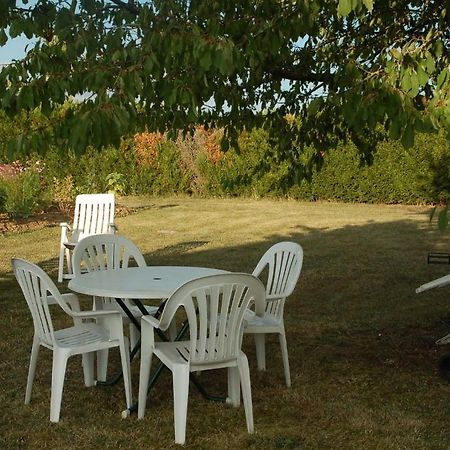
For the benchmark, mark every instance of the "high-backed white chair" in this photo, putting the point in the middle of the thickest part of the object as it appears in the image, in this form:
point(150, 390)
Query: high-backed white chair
point(104, 330)
point(215, 307)
point(110, 252)
point(94, 214)
point(283, 262)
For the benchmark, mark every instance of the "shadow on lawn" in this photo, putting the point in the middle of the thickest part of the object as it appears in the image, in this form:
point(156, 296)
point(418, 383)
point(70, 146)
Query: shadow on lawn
point(355, 295)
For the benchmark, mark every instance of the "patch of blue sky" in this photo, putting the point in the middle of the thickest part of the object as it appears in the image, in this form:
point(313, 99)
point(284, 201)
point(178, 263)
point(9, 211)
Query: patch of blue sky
point(16, 49)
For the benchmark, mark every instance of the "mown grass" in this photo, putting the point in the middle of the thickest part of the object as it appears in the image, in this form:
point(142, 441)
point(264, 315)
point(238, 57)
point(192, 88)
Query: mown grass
point(361, 342)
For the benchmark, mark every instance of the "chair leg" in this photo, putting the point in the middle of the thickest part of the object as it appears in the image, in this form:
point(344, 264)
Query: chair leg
point(234, 387)
point(32, 369)
point(61, 264)
point(180, 373)
point(69, 262)
point(284, 354)
point(102, 364)
point(124, 348)
point(144, 372)
point(88, 368)
point(260, 343)
point(58, 374)
point(244, 373)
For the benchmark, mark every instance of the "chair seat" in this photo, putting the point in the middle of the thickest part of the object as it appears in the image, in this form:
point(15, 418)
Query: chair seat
point(267, 320)
point(171, 353)
point(70, 245)
point(82, 335)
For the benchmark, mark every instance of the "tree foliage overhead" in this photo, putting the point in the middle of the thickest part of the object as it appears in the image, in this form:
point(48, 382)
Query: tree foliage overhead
point(340, 67)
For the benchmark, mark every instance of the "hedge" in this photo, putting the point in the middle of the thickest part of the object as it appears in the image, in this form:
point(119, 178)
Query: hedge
point(148, 163)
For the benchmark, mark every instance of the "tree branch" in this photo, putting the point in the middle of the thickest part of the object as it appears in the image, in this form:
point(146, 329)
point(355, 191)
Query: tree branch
point(130, 6)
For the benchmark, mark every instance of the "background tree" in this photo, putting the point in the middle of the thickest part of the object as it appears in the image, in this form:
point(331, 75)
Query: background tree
point(341, 68)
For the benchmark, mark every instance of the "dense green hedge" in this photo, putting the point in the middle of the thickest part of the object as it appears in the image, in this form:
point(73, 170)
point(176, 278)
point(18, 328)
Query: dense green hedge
point(196, 165)
point(420, 174)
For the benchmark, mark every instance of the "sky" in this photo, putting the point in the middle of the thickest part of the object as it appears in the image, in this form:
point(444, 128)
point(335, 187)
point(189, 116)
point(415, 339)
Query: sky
point(13, 49)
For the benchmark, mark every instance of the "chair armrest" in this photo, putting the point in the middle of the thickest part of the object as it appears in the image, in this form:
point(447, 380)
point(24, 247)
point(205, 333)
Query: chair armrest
point(151, 320)
point(114, 228)
point(259, 268)
point(65, 228)
point(69, 298)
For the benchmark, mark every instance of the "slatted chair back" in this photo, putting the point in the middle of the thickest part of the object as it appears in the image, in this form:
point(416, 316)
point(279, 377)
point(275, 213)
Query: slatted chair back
point(105, 252)
point(37, 287)
point(284, 262)
point(94, 214)
point(215, 307)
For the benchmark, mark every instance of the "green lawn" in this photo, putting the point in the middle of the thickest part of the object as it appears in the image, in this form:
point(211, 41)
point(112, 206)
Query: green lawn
point(361, 342)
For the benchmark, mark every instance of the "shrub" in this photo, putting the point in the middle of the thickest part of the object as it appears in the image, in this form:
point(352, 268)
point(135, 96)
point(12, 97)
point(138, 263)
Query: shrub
point(63, 193)
point(23, 194)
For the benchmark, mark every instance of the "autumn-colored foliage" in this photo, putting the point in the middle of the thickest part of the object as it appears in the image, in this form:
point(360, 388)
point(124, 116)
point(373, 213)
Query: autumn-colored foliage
point(146, 145)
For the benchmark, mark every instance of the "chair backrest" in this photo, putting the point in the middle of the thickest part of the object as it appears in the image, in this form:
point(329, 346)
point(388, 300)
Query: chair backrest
point(215, 307)
point(105, 252)
point(37, 286)
point(94, 214)
point(284, 261)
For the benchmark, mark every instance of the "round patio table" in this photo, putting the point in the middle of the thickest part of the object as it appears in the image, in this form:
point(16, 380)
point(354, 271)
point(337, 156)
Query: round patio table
point(151, 282)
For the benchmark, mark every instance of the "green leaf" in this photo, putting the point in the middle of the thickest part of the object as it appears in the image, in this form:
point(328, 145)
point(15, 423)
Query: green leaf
point(430, 64)
point(15, 29)
point(138, 84)
point(422, 76)
point(406, 80)
point(26, 97)
point(414, 85)
point(345, 7)
point(396, 53)
point(408, 136)
point(369, 4)
point(171, 98)
point(148, 65)
point(3, 37)
point(206, 60)
point(438, 48)
point(395, 129)
point(117, 55)
point(314, 106)
point(442, 79)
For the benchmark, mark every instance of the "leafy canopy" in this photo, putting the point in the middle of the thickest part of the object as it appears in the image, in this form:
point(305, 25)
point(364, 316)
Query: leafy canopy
point(341, 67)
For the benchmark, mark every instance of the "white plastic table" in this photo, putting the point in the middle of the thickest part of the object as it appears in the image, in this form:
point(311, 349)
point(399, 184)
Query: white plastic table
point(151, 282)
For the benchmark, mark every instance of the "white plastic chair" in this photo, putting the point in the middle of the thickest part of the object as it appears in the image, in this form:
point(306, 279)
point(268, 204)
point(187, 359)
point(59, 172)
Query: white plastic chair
point(284, 263)
point(214, 343)
point(94, 214)
point(110, 252)
point(85, 338)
